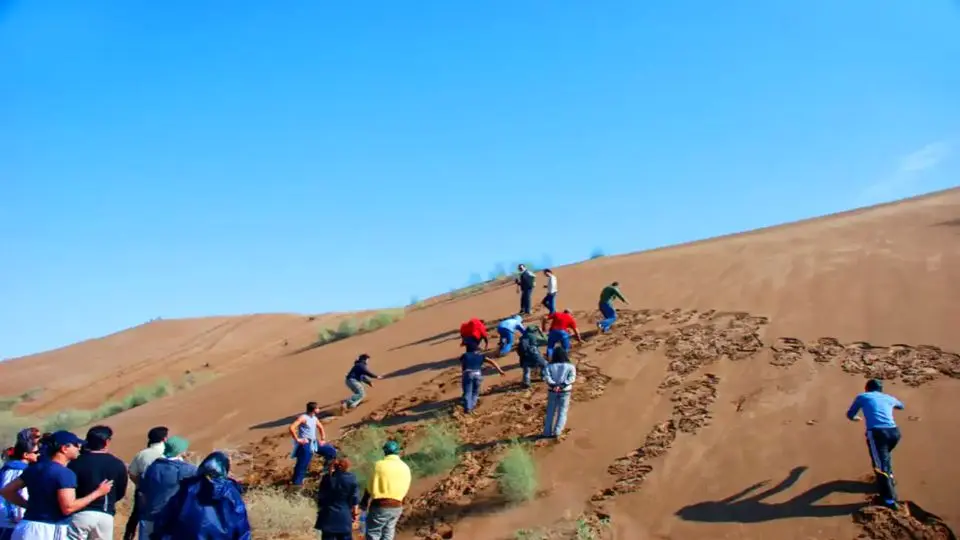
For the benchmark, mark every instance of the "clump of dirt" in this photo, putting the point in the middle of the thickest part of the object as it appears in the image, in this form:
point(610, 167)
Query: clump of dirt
point(690, 413)
point(913, 365)
point(880, 523)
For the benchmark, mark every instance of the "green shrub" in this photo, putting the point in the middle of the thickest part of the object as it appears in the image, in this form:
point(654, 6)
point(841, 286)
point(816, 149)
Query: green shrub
point(517, 474)
point(382, 319)
point(8, 403)
point(68, 420)
point(437, 449)
point(528, 534)
point(364, 448)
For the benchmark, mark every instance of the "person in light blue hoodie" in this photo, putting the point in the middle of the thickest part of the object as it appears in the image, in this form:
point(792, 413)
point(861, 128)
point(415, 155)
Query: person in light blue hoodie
point(882, 434)
point(507, 328)
point(559, 375)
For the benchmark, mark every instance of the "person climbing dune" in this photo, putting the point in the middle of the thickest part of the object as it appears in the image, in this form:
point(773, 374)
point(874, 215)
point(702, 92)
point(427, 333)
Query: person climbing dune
point(526, 281)
point(506, 329)
point(529, 352)
point(607, 296)
point(471, 364)
point(882, 435)
point(560, 325)
point(472, 333)
point(358, 376)
point(550, 300)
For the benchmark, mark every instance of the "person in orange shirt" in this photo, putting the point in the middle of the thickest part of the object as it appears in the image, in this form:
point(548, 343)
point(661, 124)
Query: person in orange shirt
point(560, 325)
point(472, 333)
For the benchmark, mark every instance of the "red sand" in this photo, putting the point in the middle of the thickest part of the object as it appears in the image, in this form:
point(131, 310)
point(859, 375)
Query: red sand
point(733, 367)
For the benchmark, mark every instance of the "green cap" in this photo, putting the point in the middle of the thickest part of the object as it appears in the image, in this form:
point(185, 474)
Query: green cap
point(174, 446)
point(391, 447)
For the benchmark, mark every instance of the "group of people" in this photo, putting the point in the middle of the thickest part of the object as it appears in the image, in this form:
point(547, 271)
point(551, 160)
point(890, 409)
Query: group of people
point(57, 485)
point(340, 500)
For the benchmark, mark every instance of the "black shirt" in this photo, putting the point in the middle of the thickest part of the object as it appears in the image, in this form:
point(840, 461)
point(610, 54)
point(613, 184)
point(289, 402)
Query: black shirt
point(92, 468)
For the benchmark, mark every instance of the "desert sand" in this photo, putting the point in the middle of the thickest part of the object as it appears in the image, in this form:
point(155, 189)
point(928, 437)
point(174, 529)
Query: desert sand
point(714, 410)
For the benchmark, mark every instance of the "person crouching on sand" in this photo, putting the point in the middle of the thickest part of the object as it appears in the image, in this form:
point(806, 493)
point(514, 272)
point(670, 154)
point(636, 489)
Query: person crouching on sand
point(506, 329)
point(472, 333)
point(529, 352)
point(607, 296)
point(559, 375)
point(358, 376)
point(560, 325)
point(472, 363)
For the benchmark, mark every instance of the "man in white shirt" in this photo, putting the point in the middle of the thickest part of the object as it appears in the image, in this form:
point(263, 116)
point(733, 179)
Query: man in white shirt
point(156, 439)
point(550, 300)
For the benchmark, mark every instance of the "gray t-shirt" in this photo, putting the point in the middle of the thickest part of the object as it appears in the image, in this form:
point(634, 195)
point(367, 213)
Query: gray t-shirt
point(308, 428)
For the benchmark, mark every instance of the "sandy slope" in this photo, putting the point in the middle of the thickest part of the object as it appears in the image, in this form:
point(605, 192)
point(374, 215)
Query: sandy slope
point(714, 408)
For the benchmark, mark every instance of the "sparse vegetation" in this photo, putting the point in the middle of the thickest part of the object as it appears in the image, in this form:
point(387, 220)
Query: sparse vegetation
point(8, 403)
point(596, 253)
point(529, 534)
point(363, 449)
point(517, 474)
point(437, 449)
point(275, 512)
point(350, 327)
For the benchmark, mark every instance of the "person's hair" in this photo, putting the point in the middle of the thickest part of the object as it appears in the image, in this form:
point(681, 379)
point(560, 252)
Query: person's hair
point(157, 434)
point(616, 283)
point(566, 310)
point(45, 444)
point(559, 355)
point(311, 406)
point(874, 385)
point(21, 449)
point(97, 437)
point(547, 271)
point(363, 357)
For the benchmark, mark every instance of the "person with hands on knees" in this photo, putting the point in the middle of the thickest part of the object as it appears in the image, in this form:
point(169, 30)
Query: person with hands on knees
point(52, 488)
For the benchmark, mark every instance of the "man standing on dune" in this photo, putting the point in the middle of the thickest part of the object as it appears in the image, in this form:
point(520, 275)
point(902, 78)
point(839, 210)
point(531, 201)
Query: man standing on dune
point(560, 324)
point(550, 300)
point(525, 282)
point(882, 434)
point(607, 296)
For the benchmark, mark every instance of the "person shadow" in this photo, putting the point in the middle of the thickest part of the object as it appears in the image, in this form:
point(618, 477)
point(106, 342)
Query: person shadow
point(737, 509)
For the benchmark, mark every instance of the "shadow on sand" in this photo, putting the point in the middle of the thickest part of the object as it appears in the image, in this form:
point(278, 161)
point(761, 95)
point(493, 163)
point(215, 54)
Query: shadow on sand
point(326, 411)
point(736, 509)
point(949, 223)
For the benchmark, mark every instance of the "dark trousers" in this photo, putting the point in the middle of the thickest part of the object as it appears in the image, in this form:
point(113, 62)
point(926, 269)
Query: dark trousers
point(550, 302)
point(880, 443)
point(130, 531)
point(304, 454)
point(525, 296)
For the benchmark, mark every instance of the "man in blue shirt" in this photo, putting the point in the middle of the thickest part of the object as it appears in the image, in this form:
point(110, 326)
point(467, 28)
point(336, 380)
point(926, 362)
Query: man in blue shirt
point(882, 434)
point(472, 363)
point(506, 329)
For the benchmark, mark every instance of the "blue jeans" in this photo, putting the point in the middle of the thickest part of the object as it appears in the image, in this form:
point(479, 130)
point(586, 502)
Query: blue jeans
point(558, 403)
point(471, 381)
point(304, 455)
point(527, 369)
point(609, 316)
point(557, 336)
point(525, 295)
point(881, 442)
point(550, 302)
point(506, 340)
point(356, 387)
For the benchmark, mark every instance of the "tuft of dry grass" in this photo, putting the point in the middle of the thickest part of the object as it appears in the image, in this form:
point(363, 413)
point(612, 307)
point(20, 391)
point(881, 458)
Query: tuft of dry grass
point(273, 512)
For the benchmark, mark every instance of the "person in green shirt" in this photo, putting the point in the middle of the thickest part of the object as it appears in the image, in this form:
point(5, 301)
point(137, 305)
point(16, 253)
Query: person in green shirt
point(607, 296)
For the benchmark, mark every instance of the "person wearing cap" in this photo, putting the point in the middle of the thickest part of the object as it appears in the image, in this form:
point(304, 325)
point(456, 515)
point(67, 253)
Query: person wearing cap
point(607, 296)
point(550, 300)
point(472, 333)
point(161, 481)
point(52, 487)
point(560, 325)
point(154, 450)
point(506, 329)
point(24, 453)
point(882, 434)
point(96, 464)
point(384, 494)
point(358, 376)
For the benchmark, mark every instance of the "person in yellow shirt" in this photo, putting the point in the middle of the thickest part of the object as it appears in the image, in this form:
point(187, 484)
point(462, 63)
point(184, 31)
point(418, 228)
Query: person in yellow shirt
point(385, 492)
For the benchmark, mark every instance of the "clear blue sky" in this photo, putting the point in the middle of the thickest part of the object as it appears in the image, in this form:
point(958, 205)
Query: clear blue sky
point(186, 158)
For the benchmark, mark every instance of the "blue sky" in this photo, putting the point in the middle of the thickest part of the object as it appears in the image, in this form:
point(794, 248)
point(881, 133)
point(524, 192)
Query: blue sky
point(196, 158)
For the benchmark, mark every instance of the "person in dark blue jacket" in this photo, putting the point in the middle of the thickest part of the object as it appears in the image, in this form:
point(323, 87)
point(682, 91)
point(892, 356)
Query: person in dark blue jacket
point(358, 376)
point(161, 481)
point(208, 506)
point(338, 502)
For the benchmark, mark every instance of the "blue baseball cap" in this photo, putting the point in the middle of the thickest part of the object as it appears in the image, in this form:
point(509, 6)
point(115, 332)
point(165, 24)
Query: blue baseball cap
point(64, 438)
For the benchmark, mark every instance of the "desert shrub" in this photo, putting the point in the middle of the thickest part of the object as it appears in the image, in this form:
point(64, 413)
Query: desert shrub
point(142, 395)
point(437, 449)
point(529, 534)
point(69, 420)
point(8, 403)
point(364, 448)
point(273, 512)
point(10, 425)
point(382, 319)
point(596, 253)
point(517, 474)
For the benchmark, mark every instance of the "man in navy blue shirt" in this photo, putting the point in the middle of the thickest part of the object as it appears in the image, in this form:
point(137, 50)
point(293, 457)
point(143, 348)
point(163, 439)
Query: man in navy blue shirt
point(358, 376)
point(472, 363)
point(882, 434)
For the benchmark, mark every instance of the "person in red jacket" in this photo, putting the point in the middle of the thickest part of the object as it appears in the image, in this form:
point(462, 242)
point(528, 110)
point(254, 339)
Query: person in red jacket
point(472, 333)
point(560, 326)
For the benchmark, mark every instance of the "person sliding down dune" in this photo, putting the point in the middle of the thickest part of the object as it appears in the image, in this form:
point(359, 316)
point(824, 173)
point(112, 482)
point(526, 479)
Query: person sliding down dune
point(358, 376)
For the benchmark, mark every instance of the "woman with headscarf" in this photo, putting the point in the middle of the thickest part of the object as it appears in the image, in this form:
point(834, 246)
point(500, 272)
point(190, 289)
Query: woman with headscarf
point(338, 502)
point(207, 506)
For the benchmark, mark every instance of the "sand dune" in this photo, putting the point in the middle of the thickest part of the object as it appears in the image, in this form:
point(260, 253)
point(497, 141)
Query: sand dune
point(714, 410)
